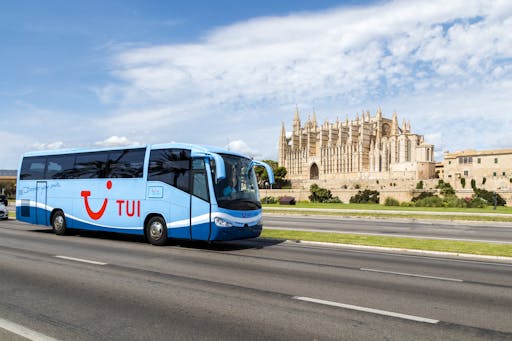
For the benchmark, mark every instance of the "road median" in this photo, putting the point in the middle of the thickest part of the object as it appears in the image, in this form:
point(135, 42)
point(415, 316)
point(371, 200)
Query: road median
point(405, 243)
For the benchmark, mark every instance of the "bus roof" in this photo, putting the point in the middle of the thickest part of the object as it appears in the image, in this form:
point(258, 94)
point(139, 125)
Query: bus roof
point(193, 147)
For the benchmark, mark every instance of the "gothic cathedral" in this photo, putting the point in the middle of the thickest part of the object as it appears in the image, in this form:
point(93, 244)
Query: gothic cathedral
point(367, 148)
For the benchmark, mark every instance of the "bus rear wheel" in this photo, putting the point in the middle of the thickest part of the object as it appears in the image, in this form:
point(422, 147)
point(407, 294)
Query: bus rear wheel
point(59, 223)
point(156, 231)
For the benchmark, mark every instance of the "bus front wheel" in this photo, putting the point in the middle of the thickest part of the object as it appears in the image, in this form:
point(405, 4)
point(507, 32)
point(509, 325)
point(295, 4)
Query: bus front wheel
point(156, 231)
point(59, 223)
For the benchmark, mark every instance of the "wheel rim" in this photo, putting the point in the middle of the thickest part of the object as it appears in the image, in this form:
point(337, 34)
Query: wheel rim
point(58, 222)
point(156, 230)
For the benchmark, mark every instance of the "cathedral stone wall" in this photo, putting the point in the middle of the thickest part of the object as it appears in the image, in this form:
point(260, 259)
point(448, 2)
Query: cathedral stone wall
point(343, 153)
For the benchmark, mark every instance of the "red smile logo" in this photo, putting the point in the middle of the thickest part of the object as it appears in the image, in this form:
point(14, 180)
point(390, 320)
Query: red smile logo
point(95, 215)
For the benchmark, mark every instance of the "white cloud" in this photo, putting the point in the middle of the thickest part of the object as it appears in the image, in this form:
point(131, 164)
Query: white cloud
point(116, 141)
point(50, 145)
point(242, 148)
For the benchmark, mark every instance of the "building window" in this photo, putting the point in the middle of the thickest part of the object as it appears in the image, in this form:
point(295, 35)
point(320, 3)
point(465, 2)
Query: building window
point(449, 162)
point(466, 173)
point(493, 173)
point(503, 173)
point(495, 160)
point(479, 160)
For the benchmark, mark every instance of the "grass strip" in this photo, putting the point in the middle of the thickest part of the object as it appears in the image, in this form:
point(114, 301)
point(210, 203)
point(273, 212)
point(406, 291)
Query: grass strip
point(474, 248)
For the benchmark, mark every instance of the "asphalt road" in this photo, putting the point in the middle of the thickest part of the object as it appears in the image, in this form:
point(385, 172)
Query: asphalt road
point(110, 287)
point(460, 230)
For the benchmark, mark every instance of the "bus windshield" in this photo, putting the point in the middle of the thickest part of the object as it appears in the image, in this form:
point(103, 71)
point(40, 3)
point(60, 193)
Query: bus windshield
point(239, 190)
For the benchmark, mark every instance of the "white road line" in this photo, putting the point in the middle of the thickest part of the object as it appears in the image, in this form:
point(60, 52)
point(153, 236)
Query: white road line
point(24, 331)
point(81, 260)
point(413, 275)
point(367, 310)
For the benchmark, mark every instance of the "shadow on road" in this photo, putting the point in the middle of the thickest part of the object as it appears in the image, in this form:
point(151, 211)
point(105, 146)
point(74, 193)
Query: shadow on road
point(235, 245)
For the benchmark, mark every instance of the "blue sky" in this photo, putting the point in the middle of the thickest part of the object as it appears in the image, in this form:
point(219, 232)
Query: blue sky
point(101, 73)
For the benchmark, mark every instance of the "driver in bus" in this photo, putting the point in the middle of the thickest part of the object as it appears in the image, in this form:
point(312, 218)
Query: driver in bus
point(230, 189)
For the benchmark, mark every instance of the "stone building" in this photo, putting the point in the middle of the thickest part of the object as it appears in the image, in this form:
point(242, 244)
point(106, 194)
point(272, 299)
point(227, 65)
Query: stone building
point(367, 148)
point(490, 169)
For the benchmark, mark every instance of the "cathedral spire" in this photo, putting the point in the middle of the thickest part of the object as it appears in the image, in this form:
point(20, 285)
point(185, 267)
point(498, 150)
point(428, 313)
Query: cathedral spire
point(394, 125)
point(296, 120)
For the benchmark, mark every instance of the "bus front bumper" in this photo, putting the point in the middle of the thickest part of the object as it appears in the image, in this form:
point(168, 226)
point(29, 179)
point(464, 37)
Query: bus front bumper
point(234, 232)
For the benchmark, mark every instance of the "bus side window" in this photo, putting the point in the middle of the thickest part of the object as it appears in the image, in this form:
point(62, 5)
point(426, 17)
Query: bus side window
point(32, 168)
point(128, 163)
point(199, 180)
point(91, 165)
point(171, 166)
point(60, 166)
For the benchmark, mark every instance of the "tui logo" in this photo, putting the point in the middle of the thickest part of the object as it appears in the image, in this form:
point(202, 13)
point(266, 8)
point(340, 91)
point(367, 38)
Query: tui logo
point(98, 214)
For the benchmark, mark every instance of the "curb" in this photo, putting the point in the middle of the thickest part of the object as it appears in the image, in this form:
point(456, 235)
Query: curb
point(466, 256)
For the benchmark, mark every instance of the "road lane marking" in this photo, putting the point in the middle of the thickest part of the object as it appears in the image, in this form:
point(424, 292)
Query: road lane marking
point(24, 331)
point(367, 310)
point(81, 260)
point(412, 275)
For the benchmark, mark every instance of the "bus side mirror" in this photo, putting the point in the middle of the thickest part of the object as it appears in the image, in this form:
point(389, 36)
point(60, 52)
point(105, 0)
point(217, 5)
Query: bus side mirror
point(220, 168)
point(270, 172)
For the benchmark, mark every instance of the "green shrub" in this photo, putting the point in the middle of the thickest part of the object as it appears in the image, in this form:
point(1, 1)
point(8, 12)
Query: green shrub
point(334, 200)
point(407, 204)
point(432, 201)
point(269, 200)
point(422, 195)
point(365, 197)
point(489, 197)
point(391, 202)
point(319, 194)
point(463, 182)
point(419, 185)
point(453, 201)
point(477, 202)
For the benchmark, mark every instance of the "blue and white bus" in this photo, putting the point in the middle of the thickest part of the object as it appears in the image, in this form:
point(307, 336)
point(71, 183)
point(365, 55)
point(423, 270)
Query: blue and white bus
point(159, 191)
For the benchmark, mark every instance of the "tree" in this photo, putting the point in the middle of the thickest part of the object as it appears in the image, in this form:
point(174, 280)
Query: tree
point(473, 184)
point(279, 173)
point(445, 188)
point(463, 182)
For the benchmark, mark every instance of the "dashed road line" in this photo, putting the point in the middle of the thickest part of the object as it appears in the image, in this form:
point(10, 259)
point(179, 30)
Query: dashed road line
point(81, 260)
point(24, 331)
point(367, 310)
point(412, 275)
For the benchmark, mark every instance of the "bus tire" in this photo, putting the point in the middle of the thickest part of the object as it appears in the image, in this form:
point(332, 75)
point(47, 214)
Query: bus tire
point(59, 223)
point(156, 231)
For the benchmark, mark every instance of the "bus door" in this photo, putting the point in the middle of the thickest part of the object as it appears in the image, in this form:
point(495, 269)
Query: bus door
point(41, 213)
point(199, 201)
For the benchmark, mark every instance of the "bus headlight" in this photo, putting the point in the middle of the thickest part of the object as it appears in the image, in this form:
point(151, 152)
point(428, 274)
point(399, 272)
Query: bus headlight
point(222, 223)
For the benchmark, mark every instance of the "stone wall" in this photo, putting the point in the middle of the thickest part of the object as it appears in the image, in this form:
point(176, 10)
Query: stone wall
point(345, 194)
